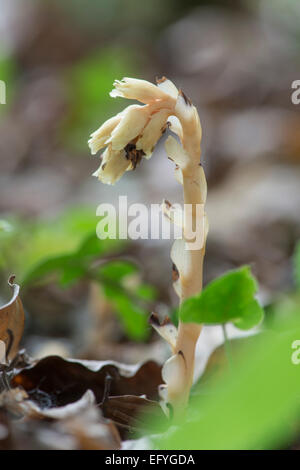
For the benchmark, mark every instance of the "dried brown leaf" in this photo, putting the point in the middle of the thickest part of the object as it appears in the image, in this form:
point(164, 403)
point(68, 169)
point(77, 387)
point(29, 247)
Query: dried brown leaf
point(132, 413)
point(54, 381)
point(12, 321)
point(78, 425)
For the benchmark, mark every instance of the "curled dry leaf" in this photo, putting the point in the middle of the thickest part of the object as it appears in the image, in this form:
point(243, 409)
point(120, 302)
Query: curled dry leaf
point(132, 413)
point(91, 430)
point(54, 381)
point(55, 388)
point(12, 322)
point(78, 425)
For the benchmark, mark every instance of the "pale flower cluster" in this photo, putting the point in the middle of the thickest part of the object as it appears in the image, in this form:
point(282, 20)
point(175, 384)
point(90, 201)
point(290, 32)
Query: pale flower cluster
point(132, 134)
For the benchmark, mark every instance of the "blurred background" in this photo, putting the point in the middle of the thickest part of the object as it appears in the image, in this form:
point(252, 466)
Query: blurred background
point(236, 60)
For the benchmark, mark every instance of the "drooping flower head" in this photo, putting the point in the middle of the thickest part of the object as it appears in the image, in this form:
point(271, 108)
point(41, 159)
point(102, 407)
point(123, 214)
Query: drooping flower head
point(132, 134)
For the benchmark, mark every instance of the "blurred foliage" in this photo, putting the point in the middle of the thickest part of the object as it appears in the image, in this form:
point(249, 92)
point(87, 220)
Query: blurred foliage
point(89, 83)
point(7, 74)
point(297, 265)
point(230, 298)
point(31, 241)
point(254, 404)
point(256, 407)
point(66, 250)
point(284, 306)
point(122, 286)
point(133, 317)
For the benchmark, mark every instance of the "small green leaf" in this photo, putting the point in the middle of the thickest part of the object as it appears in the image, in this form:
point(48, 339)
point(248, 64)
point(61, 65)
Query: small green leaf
point(46, 267)
point(297, 265)
point(117, 270)
point(146, 292)
point(91, 246)
point(133, 318)
point(230, 298)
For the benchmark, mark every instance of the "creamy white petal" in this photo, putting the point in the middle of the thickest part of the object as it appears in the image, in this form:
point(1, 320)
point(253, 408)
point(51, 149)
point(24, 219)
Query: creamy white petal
point(177, 287)
point(101, 135)
point(178, 175)
point(176, 152)
point(113, 166)
point(181, 258)
point(168, 87)
point(136, 89)
point(184, 107)
point(152, 132)
point(175, 126)
point(133, 121)
point(173, 369)
point(165, 329)
point(174, 212)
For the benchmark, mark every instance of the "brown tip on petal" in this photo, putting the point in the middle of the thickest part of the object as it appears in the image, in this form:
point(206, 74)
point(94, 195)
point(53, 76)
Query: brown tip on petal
point(186, 99)
point(167, 203)
point(103, 166)
point(154, 320)
point(11, 280)
point(166, 321)
point(161, 80)
point(180, 353)
point(171, 159)
point(175, 272)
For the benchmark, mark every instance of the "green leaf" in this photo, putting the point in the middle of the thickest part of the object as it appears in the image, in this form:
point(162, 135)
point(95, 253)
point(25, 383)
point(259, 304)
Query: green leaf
point(64, 247)
point(146, 292)
point(229, 298)
point(133, 318)
point(297, 265)
point(257, 407)
point(67, 268)
point(117, 270)
point(46, 267)
point(91, 246)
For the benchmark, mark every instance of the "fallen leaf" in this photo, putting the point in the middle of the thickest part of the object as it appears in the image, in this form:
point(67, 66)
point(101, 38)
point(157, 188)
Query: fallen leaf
point(54, 381)
point(132, 413)
point(12, 322)
point(79, 425)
